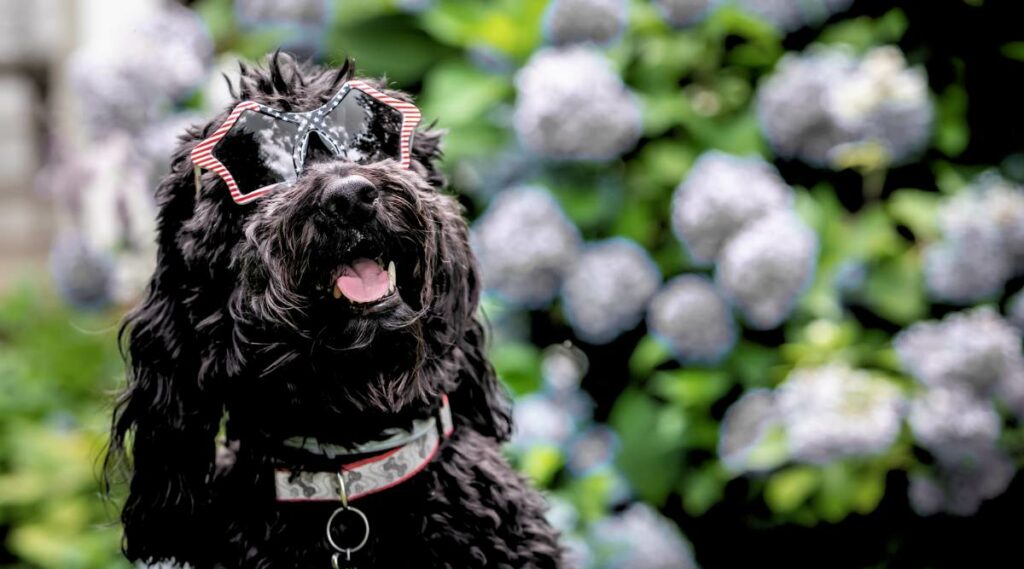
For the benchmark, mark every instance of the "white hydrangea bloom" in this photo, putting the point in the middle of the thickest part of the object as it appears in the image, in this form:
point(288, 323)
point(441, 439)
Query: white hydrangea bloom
point(541, 420)
point(83, 277)
point(721, 194)
point(608, 289)
point(1011, 391)
point(790, 15)
point(961, 486)
point(681, 13)
point(975, 349)
point(951, 421)
point(563, 367)
point(744, 426)
point(118, 88)
point(1015, 310)
point(982, 245)
point(575, 21)
point(572, 105)
point(962, 271)
point(641, 538)
point(690, 315)
point(765, 268)
point(305, 12)
point(592, 449)
point(926, 495)
point(835, 411)
point(825, 102)
point(525, 244)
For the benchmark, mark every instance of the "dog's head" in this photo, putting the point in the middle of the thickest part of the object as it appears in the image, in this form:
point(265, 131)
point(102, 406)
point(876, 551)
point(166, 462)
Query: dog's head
point(349, 290)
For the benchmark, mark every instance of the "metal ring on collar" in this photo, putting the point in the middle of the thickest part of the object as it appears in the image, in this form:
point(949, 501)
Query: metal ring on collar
point(366, 531)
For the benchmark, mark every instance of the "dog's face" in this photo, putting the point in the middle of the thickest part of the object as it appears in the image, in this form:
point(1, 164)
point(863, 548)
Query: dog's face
point(345, 287)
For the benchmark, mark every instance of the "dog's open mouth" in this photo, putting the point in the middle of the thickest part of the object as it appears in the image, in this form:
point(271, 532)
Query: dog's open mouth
point(364, 280)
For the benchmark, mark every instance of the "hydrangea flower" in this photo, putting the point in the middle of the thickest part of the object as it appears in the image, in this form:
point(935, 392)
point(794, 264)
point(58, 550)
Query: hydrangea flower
point(765, 268)
point(525, 244)
point(1011, 391)
point(982, 242)
point(575, 21)
point(118, 89)
point(790, 15)
point(975, 349)
point(966, 270)
point(591, 450)
point(640, 537)
point(835, 411)
point(563, 367)
point(744, 426)
point(951, 421)
point(720, 195)
point(84, 278)
point(304, 22)
point(962, 486)
point(1015, 310)
point(682, 13)
point(571, 105)
point(690, 315)
point(541, 420)
point(607, 290)
point(825, 102)
point(281, 11)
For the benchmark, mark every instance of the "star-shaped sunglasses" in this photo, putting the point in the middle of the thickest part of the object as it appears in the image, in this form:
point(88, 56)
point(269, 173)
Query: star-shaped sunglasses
point(259, 149)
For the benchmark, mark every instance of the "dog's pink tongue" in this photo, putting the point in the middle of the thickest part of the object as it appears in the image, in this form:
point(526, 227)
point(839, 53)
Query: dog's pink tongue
point(363, 281)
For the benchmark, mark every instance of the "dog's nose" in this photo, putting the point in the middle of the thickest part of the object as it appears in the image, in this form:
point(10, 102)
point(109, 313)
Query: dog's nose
point(351, 198)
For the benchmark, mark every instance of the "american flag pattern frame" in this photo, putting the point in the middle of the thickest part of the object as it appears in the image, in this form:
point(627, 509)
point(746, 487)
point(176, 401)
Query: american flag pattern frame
point(308, 122)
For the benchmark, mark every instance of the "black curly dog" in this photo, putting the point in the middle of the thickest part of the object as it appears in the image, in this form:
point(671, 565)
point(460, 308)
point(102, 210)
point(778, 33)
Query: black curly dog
point(239, 335)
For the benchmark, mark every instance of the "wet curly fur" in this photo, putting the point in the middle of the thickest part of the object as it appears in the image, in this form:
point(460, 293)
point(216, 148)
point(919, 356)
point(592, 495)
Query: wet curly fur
point(239, 328)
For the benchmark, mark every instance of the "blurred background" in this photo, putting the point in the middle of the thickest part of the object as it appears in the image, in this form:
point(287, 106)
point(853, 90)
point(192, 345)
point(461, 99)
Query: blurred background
point(752, 265)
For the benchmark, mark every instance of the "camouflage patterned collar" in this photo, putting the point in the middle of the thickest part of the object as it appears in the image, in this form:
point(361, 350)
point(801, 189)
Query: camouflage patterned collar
point(405, 453)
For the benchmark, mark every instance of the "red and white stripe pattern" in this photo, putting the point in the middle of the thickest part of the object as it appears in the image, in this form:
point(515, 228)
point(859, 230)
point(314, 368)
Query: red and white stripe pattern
point(202, 154)
point(370, 475)
point(410, 117)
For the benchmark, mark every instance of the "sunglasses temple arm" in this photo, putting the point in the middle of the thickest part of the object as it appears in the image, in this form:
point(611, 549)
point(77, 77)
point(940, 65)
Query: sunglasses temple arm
point(198, 173)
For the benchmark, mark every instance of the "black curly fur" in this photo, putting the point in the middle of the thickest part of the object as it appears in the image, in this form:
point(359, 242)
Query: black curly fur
point(239, 324)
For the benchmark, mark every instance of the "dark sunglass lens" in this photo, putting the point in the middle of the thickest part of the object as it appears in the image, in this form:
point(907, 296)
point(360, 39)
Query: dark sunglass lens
point(257, 151)
point(366, 129)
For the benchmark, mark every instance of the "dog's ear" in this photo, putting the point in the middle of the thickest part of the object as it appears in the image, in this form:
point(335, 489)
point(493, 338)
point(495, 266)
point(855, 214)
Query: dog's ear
point(169, 414)
point(427, 153)
point(479, 401)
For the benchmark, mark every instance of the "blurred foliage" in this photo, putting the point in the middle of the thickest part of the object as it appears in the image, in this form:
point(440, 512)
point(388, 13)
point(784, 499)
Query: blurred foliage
point(58, 371)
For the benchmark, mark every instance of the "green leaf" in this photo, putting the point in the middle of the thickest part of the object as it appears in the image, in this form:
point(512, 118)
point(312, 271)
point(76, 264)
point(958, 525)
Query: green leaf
point(393, 46)
point(540, 464)
point(702, 488)
point(953, 132)
point(788, 489)
point(689, 388)
point(835, 500)
point(868, 490)
point(518, 365)
point(1013, 50)
point(916, 209)
point(456, 93)
point(753, 364)
point(648, 354)
point(651, 436)
point(895, 289)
